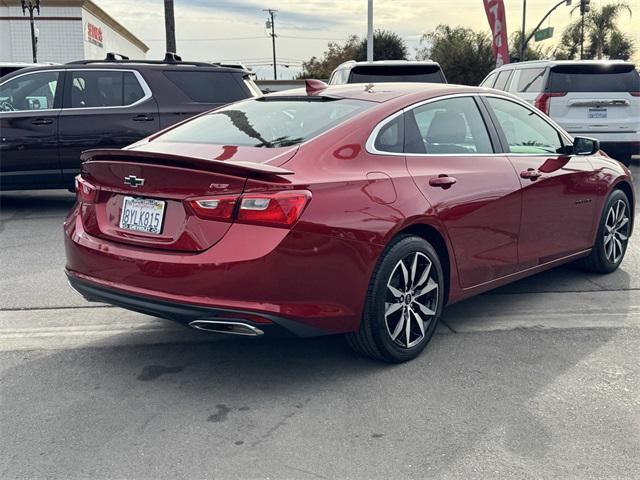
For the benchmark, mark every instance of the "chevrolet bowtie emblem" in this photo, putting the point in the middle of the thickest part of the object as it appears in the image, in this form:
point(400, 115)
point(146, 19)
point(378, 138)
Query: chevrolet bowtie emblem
point(133, 181)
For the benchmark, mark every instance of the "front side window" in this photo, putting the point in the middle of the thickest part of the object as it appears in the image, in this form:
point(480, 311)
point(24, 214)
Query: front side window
point(35, 91)
point(267, 122)
point(453, 126)
point(489, 81)
point(103, 88)
point(525, 130)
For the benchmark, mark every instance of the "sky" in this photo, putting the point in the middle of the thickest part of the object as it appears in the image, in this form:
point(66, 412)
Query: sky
point(234, 30)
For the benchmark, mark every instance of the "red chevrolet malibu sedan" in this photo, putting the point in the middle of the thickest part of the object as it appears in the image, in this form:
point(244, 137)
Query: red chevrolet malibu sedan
point(359, 209)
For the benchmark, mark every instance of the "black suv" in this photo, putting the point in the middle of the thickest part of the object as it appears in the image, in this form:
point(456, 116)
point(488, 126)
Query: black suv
point(48, 115)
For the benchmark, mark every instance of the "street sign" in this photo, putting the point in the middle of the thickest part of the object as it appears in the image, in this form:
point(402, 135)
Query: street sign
point(543, 34)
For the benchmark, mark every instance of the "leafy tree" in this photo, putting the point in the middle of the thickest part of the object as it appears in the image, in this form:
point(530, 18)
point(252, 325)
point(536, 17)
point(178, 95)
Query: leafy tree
point(464, 54)
point(387, 45)
point(532, 52)
point(601, 33)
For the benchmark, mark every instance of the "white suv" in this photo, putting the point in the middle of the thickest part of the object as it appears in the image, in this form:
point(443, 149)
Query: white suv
point(600, 99)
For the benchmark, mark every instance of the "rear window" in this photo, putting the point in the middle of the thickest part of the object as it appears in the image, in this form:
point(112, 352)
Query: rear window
point(400, 73)
point(267, 122)
point(531, 80)
point(207, 87)
point(594, 78)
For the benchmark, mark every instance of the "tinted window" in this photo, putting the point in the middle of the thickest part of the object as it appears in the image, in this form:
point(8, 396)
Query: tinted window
point(35, 91)
point(207, 87)
point(391, 136)
point(594, 78)
point(489, 81)
point(447, 126)
point(266, 122)
point(526, 131)
point(400, 73)
point(103, 88)
point(531, 80)
point(503, 79)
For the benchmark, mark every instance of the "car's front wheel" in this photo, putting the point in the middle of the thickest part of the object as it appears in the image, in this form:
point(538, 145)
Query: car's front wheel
point(403, 303)
point(613, 235)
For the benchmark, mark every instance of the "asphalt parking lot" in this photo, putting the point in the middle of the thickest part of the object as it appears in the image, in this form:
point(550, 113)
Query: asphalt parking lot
point(539, 379)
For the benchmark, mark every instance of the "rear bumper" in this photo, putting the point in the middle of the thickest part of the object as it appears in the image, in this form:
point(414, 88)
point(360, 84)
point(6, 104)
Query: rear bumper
point(185, 313)
point(308, 283)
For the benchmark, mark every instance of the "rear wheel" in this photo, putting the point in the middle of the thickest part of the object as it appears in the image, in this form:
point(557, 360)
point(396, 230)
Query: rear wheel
point(403, 304)
point(613, 235)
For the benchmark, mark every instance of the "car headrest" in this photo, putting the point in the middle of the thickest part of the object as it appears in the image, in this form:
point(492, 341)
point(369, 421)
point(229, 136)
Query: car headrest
point(447, 127)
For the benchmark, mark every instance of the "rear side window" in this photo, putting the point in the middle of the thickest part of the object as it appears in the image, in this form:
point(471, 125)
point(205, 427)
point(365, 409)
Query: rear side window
point(400, 73)
point(266, 122)
point(503, 79)
point(207, 87)
point(452, 126)
point(531, 80)
point(594, 78)
point(391, 136)
point(103, 88)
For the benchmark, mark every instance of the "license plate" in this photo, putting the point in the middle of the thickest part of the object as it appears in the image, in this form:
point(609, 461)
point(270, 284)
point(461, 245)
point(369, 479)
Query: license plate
point(142, 215)
point(597, 113)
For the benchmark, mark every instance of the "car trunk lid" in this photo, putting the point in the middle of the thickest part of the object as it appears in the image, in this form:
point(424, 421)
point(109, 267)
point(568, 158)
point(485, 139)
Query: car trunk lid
point(141, 196)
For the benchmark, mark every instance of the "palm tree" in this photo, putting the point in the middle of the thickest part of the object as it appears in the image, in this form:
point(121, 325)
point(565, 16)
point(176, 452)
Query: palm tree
point(600, 29)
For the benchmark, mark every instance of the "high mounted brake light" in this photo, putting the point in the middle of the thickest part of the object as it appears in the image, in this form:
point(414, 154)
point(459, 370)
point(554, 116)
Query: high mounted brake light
point(273, 209)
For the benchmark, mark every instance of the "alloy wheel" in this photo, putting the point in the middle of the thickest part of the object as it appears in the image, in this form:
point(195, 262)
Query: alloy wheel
point(616, 231)
point(411, 299)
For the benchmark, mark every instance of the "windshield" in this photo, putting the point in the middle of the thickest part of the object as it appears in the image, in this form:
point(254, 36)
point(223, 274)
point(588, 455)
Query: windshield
point(267, 122)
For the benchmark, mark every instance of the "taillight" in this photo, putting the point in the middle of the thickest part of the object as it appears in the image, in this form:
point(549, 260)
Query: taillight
point(85, 192)
point(275, 209)
point(214, 208)
point(542, 100)
point(280, 209)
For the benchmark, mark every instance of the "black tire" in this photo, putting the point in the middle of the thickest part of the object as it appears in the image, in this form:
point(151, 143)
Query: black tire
point(374, 338)
point(601, 260)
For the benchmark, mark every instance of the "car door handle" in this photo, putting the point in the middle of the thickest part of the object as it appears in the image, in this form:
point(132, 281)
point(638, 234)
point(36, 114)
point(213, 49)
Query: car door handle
point(531, 174)
point(443, 181)
point(143, 118)
point(42, 121)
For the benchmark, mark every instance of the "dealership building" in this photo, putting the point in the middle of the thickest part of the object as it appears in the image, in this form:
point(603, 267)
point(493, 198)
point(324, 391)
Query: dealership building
point(67, 30)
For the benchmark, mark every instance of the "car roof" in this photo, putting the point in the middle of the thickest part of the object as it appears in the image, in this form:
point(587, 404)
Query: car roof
point(381, 92)
point(387, 63)
point(552, 63)
point(125, 65)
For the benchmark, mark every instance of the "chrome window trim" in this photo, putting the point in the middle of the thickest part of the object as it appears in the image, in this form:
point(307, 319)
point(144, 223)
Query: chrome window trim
point(141, 81)
point(370, 144)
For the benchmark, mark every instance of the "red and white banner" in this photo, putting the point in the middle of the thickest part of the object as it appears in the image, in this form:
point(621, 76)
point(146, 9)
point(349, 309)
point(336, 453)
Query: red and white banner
point(498, 24)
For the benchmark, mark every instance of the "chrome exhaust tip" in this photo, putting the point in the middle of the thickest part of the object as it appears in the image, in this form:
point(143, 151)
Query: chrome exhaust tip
point(232, 328)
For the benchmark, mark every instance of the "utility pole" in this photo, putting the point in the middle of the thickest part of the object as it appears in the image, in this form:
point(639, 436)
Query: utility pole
point(523, 45)
point(524, 21)
point(271, 24)
point(32, 5)
point(585, 7)
point(370, 31)
point(170, 26)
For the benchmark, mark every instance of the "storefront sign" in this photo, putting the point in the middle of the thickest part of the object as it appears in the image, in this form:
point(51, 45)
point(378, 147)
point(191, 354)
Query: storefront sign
point(94, 34)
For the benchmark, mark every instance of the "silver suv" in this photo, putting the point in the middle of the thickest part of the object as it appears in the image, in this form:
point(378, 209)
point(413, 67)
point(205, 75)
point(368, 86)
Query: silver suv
point(600, 99)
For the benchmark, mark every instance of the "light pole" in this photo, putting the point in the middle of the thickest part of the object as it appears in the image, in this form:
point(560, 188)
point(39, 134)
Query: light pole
point(170, 27)
point(524, 21)
point(370, 31)
point(32, 5)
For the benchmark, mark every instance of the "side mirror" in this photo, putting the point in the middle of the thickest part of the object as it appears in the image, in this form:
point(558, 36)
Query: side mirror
point(585, 146)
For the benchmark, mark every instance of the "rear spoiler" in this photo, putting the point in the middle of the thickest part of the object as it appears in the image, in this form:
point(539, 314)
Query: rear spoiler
point(234, 167)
